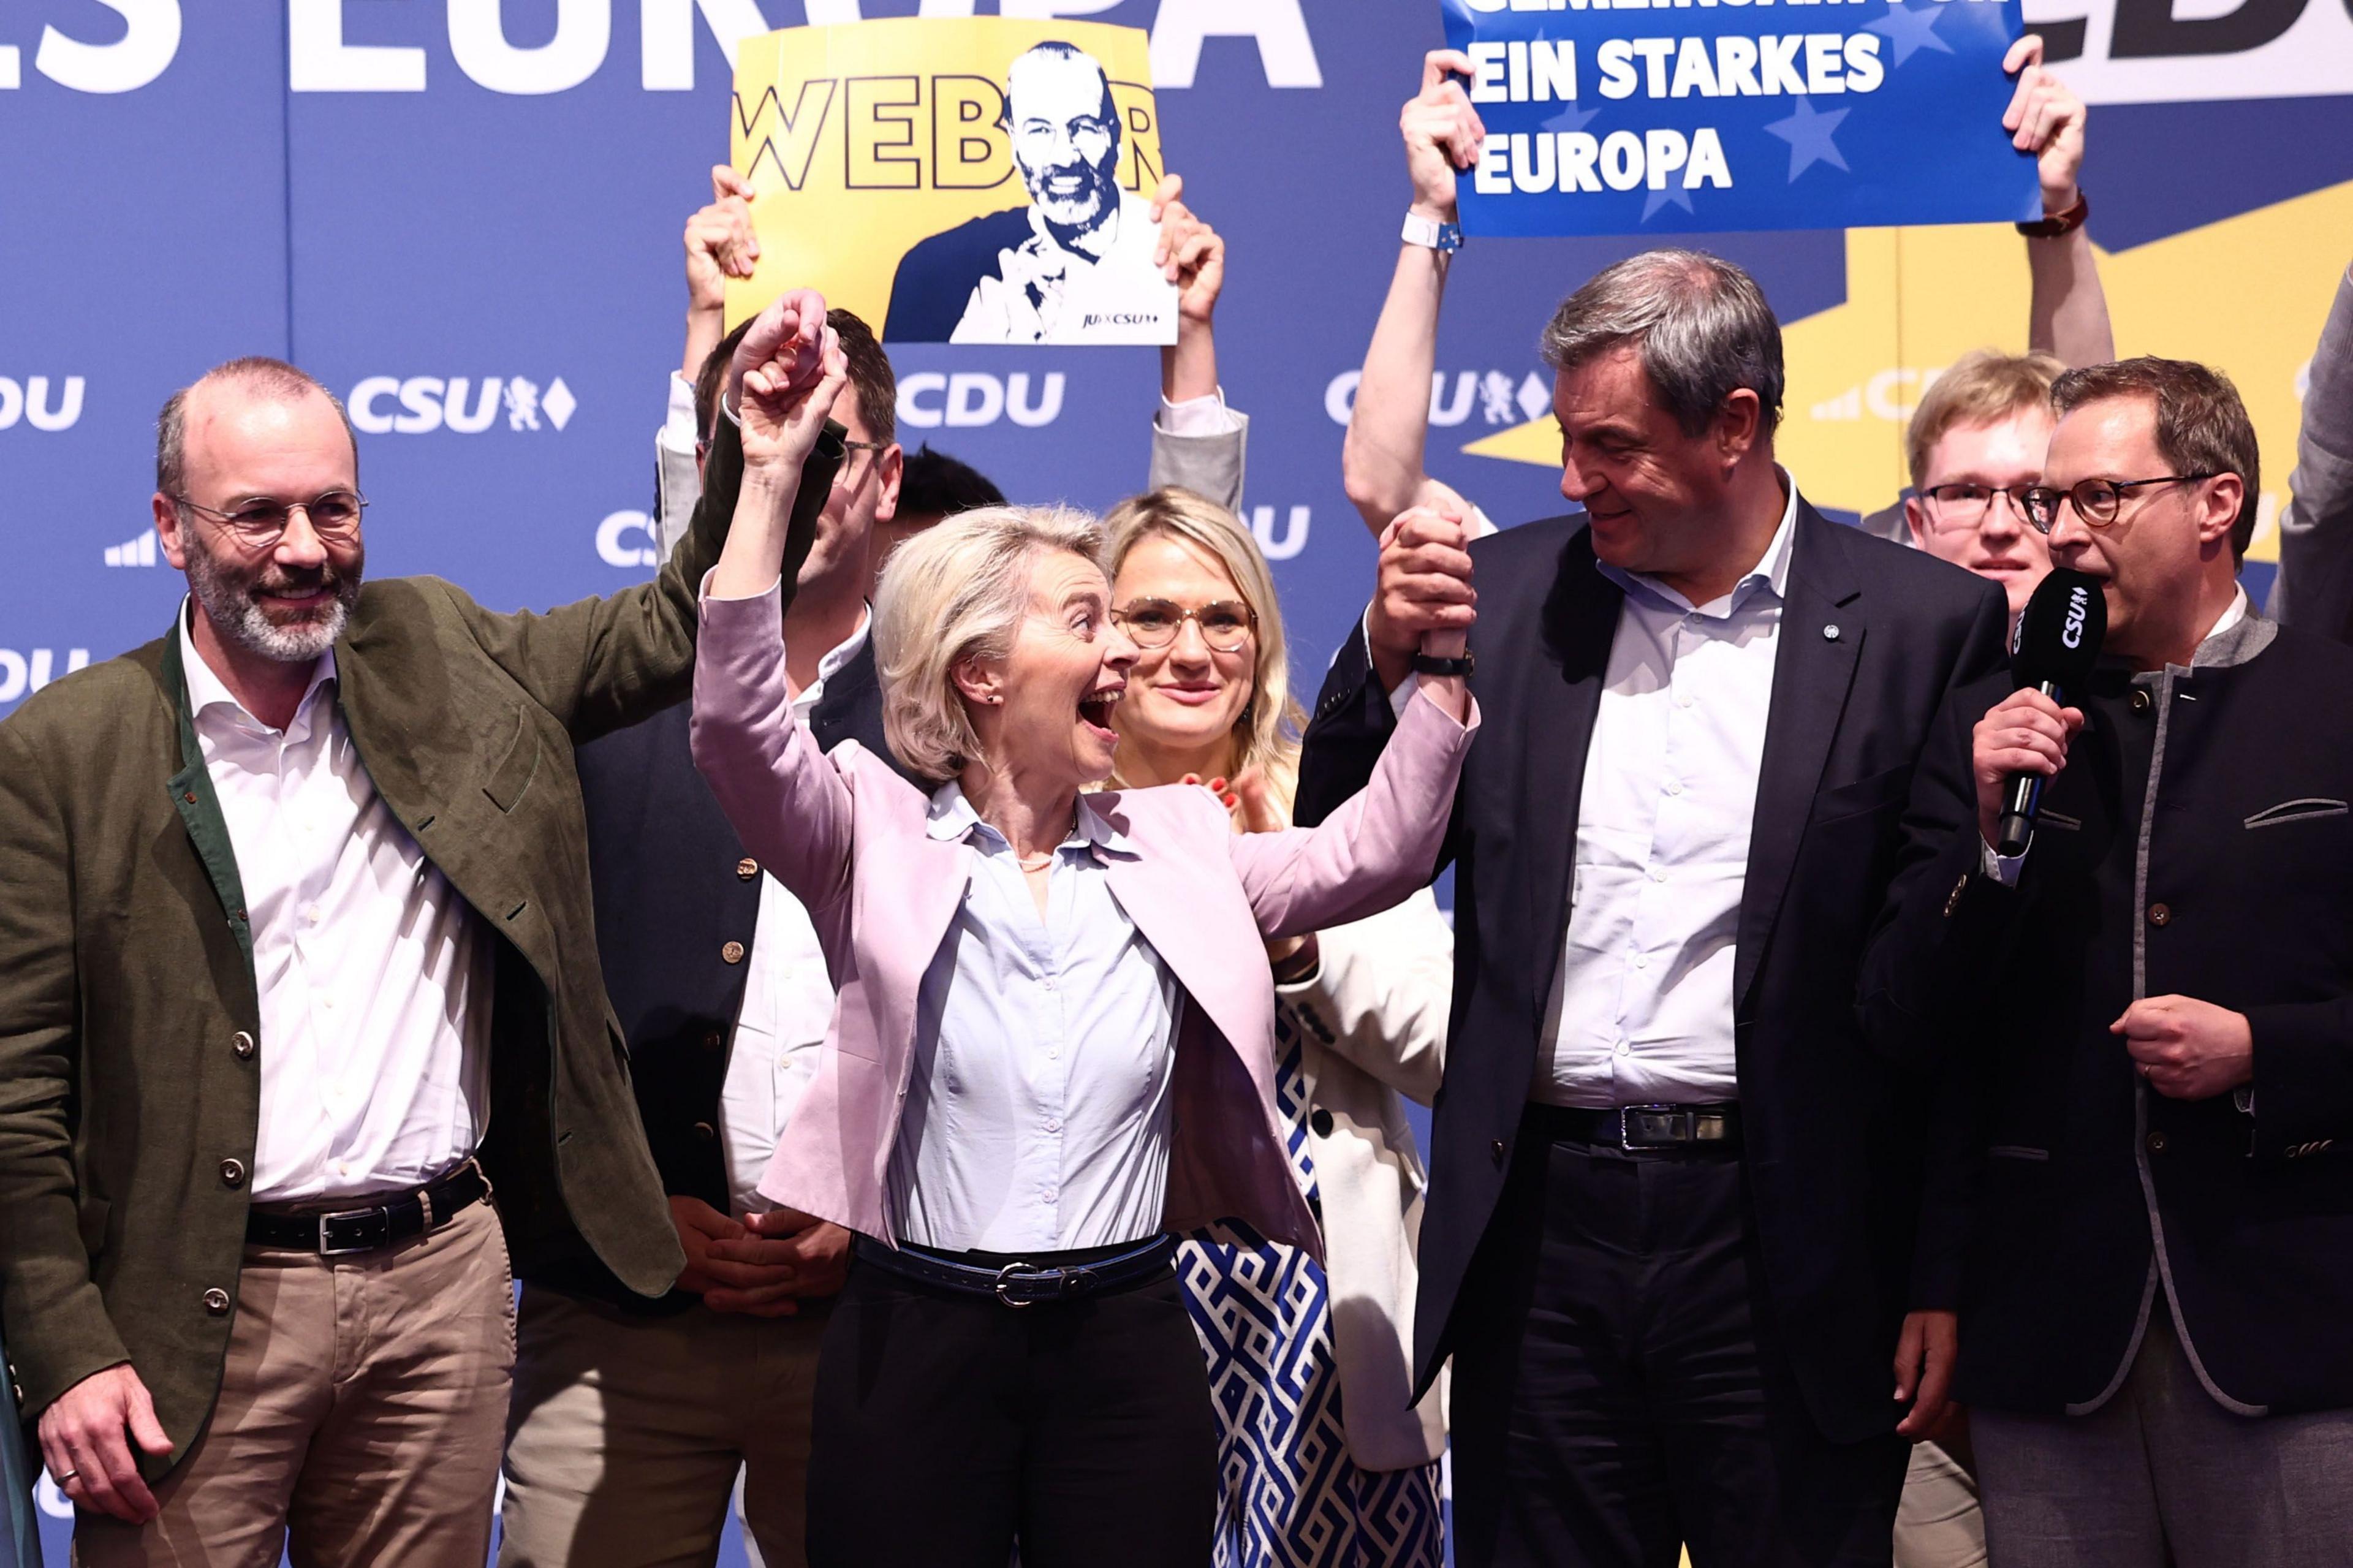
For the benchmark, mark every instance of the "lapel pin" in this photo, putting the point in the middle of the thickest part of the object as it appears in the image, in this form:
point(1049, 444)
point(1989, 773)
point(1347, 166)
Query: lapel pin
point(1831, 633)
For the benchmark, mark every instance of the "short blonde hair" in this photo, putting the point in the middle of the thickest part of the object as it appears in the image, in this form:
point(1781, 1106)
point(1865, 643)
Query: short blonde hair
point(956, 591)
point(1267, 734)
point(1983, 385)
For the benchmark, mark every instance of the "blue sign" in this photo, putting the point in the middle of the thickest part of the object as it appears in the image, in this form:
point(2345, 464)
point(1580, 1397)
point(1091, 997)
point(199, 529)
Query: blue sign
point(1671, 116)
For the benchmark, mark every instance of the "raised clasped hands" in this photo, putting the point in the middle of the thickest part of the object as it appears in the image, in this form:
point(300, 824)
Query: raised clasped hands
point(1423, 600)
point(783, 381)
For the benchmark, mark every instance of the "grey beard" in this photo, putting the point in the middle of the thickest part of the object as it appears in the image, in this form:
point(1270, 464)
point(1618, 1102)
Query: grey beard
point(236, 615)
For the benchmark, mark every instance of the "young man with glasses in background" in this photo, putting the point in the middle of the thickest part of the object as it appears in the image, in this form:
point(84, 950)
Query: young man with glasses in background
point(2150, 1017)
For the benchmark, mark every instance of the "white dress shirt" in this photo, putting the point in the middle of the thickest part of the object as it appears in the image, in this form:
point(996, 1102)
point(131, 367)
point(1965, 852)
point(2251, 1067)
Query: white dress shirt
point(787, 1005)
point(1642, 1006)
point(374, 1071)
point(1037, 1118)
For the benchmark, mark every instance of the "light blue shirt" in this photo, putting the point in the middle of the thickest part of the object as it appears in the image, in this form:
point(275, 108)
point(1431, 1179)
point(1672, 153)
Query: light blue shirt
point(1038, 1114)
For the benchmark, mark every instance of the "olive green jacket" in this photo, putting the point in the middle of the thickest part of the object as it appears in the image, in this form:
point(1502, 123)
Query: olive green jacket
point(131, 1042)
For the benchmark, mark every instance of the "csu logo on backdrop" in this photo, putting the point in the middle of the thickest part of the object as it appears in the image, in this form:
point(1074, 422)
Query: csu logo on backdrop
point(25, 671)
point(1494, 395)
point(43, 402)
point(390, 405)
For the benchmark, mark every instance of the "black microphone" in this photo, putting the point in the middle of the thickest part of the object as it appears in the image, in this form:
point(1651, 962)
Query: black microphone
point(2055, 647)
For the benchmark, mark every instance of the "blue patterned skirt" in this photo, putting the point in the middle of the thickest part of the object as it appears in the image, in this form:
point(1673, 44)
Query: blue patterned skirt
point(1291, 1497)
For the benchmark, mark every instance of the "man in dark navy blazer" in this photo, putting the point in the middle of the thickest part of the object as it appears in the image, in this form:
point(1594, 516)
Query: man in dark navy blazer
point(1674, 1239)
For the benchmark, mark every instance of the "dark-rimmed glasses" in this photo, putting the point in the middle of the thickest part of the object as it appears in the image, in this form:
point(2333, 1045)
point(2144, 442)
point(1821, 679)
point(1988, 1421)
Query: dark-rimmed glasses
point(1964, 505)
point(1225, 626)
point(262, 521)
point(2096, 501)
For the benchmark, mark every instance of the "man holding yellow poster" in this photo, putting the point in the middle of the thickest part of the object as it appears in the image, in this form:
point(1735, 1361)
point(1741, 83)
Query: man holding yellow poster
point(898, 148)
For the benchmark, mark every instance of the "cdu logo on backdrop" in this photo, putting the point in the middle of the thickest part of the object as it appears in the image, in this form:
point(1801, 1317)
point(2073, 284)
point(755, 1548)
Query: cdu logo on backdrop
point(418, 405)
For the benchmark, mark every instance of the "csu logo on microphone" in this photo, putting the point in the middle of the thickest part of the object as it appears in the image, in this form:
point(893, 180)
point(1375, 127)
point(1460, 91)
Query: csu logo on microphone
point(419, 405)
point(2079, 608)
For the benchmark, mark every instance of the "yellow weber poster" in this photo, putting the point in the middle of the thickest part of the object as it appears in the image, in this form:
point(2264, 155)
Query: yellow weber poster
point(970, 179)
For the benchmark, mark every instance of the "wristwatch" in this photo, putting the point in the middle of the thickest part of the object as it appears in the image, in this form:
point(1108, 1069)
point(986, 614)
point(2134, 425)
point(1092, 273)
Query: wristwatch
point(1429, 664)
point(1431, 235)
point(2056, 223)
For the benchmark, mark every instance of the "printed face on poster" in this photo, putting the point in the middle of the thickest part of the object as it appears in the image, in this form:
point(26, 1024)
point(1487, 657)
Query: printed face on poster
point(967, 180)
point(1682, 116)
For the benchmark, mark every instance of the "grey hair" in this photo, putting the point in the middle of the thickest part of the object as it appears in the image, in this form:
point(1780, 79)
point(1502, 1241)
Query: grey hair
point(1700, 323)
point(956, 591)
point(259, 373)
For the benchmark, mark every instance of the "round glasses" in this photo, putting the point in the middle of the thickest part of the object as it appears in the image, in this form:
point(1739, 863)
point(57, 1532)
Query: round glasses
point(262, 521)
point(2096, 501)
point(1225, 626)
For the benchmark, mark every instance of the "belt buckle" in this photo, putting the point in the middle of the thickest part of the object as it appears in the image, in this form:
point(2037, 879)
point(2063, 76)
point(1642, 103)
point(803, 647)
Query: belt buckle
point(1005, 1277)
point(329, 1249)
point(1625, 1127)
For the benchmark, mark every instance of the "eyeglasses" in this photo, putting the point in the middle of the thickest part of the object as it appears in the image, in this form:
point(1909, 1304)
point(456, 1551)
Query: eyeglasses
point(841, 474)
point(1156, 623)
point(2096, 501)
point(262, 520)
point(1964, 506)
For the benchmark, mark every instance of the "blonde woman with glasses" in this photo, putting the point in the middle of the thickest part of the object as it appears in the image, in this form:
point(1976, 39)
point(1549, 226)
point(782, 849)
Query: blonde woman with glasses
point(1325, 1457)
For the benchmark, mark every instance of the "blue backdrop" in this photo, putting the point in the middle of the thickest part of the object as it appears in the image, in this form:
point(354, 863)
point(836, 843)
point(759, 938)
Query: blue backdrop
point(337, 183)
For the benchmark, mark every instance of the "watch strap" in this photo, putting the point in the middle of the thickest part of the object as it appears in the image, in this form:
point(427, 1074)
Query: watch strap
point(1431, 664)
point(2056, 223)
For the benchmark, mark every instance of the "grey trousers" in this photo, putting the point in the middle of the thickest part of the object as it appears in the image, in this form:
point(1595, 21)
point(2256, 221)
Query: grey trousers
point(2161, 1465)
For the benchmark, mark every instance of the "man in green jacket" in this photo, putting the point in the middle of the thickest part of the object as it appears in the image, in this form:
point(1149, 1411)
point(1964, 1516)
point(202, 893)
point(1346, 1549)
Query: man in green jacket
point(298, 969)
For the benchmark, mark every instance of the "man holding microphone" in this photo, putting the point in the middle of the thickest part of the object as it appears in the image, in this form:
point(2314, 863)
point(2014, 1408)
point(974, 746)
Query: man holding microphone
point(2151, 1009)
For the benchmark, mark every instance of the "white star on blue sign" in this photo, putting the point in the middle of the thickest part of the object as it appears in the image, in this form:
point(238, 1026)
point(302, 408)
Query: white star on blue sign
point(1808, 132)
point(1913, 29)
point(1572, 118)
point(1675, 194)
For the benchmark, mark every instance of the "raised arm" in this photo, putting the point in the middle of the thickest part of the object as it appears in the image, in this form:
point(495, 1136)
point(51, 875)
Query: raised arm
point(2067, 314)
point(785, 801)
point(720, 244)
point(1381, 461)
point(600, 664)
point(2314, 591)
point(1197, 443)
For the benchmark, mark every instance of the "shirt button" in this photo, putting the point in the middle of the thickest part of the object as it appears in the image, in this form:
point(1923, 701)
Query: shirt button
point(2156, 1142)
point(1659, 874)
point(731, 953)
point(1053, 1053)
point(1053, 1124)
point(746, 869)
point(312, 915)
point(1624, 1048)
point(216, 1301)
point(1682, 701)
point(2158, 914)
point(1048, 982)
point(1641, 960)
point(2141, 700)
point(1674, 787)
point(327, 1002)
point(242, 1043)
point(1053, 1193)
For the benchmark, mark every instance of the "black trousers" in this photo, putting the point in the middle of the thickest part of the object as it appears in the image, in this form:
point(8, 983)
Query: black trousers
point(946, 1427)
point(1615, 1397)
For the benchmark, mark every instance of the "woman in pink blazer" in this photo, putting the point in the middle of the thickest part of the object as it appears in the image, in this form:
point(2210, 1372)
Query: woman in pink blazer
point(1052, 1046)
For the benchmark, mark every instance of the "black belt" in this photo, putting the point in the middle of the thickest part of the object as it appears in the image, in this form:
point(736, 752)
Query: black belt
point(1018, 1282)
point(337, 1233)
point(1638, 1129)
